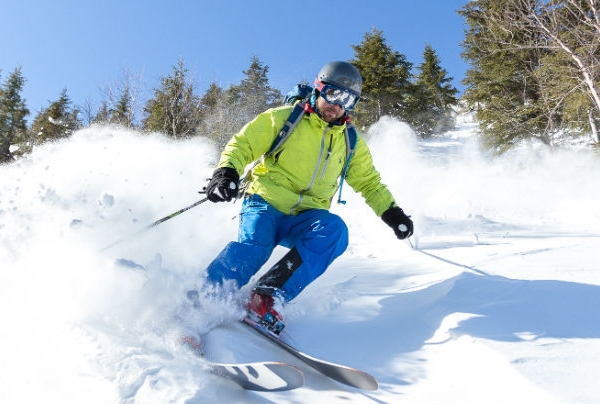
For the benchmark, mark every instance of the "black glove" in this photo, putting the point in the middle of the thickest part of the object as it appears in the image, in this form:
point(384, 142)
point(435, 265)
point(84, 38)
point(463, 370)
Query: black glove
point(398, 221)
point(223, 186)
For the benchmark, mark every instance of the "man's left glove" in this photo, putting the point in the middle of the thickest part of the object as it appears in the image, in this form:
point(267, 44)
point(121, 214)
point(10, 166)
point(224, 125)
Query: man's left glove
point(223, 186)
point(398, 221)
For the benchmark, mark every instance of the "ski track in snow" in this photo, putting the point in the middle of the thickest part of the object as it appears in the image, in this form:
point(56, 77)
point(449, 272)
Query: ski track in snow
point(498, 301)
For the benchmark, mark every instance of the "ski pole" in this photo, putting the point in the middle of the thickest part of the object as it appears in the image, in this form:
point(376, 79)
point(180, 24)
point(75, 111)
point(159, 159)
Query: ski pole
point(172, 215)
point(155, 223)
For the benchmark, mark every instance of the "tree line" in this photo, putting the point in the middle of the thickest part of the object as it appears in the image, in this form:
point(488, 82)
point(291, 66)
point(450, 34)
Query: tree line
point(423, 99)
point(534, 74)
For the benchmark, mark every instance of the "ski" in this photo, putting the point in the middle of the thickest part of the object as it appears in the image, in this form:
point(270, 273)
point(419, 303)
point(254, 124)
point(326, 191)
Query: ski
point(341, 373)
point(256, 376)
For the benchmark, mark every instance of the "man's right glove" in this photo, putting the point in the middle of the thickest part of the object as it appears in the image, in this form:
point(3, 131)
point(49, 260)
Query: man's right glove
point(223, 186)
point(398, 221)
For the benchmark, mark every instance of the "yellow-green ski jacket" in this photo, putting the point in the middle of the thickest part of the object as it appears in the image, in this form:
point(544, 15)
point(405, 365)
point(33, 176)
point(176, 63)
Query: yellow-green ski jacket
point(304, 172)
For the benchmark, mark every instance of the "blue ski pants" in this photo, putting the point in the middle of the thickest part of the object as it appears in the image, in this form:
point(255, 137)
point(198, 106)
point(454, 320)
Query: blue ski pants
point(317, 235)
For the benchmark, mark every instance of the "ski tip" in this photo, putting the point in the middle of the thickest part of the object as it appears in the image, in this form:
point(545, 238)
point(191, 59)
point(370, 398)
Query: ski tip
point(255, 376)
point(368, 383)
point(340, 373)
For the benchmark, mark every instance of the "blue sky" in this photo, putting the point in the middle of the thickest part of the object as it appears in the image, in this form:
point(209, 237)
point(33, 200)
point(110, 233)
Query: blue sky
point(85, 46)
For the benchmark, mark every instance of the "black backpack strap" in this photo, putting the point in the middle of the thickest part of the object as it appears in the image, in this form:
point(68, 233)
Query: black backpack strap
point(351, 138)
point(292, 121)
point(295, 117)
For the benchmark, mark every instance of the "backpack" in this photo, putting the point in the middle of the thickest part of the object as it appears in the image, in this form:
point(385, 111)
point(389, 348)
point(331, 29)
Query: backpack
point(298, 96)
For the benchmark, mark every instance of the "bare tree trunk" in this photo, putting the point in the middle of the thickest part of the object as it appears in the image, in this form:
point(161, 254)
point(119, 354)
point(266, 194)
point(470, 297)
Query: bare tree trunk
point(570, 28)
point(594, 127)
point(586, 68)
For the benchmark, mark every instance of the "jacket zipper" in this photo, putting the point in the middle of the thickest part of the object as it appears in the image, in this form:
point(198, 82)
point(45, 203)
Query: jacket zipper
point(316, 170)
point(329, 150)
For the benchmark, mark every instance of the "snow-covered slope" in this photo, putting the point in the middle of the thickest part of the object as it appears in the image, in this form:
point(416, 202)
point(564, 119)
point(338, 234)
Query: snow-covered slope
point(495, 299)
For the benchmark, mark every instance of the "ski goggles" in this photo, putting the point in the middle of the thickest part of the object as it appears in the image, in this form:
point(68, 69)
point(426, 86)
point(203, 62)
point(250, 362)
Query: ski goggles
point(335, 95)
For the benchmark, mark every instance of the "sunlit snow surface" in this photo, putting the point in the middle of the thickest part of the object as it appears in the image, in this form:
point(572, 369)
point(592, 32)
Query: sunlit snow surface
point(498, 301)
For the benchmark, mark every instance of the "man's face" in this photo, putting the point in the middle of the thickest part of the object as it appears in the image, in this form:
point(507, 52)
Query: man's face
point(329, 113)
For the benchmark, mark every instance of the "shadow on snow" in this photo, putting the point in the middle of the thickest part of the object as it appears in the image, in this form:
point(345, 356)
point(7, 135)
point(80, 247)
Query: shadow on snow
point(502, 309)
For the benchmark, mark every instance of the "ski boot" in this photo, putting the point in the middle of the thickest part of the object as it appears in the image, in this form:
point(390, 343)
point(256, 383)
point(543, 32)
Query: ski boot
point(260, 310)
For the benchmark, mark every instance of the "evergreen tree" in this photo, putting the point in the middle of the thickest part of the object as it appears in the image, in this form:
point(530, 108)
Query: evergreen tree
point(571, 30)
point(103, 114)
point(386, 75)
point(212, 98)
point(433, 98)
point(123, 114)
point(120, 104)
point(57, 121)
point(254, 94)
point(535, 68)
point(226, 112)
point(174, 110)
point(13, 126)
point(501, 85)
point(214, 118)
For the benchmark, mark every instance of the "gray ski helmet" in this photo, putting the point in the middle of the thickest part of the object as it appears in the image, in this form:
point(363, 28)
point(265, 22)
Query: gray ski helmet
point(341, 74)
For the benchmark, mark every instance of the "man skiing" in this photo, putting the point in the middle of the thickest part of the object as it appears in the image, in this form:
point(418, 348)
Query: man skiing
point(288, 194)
